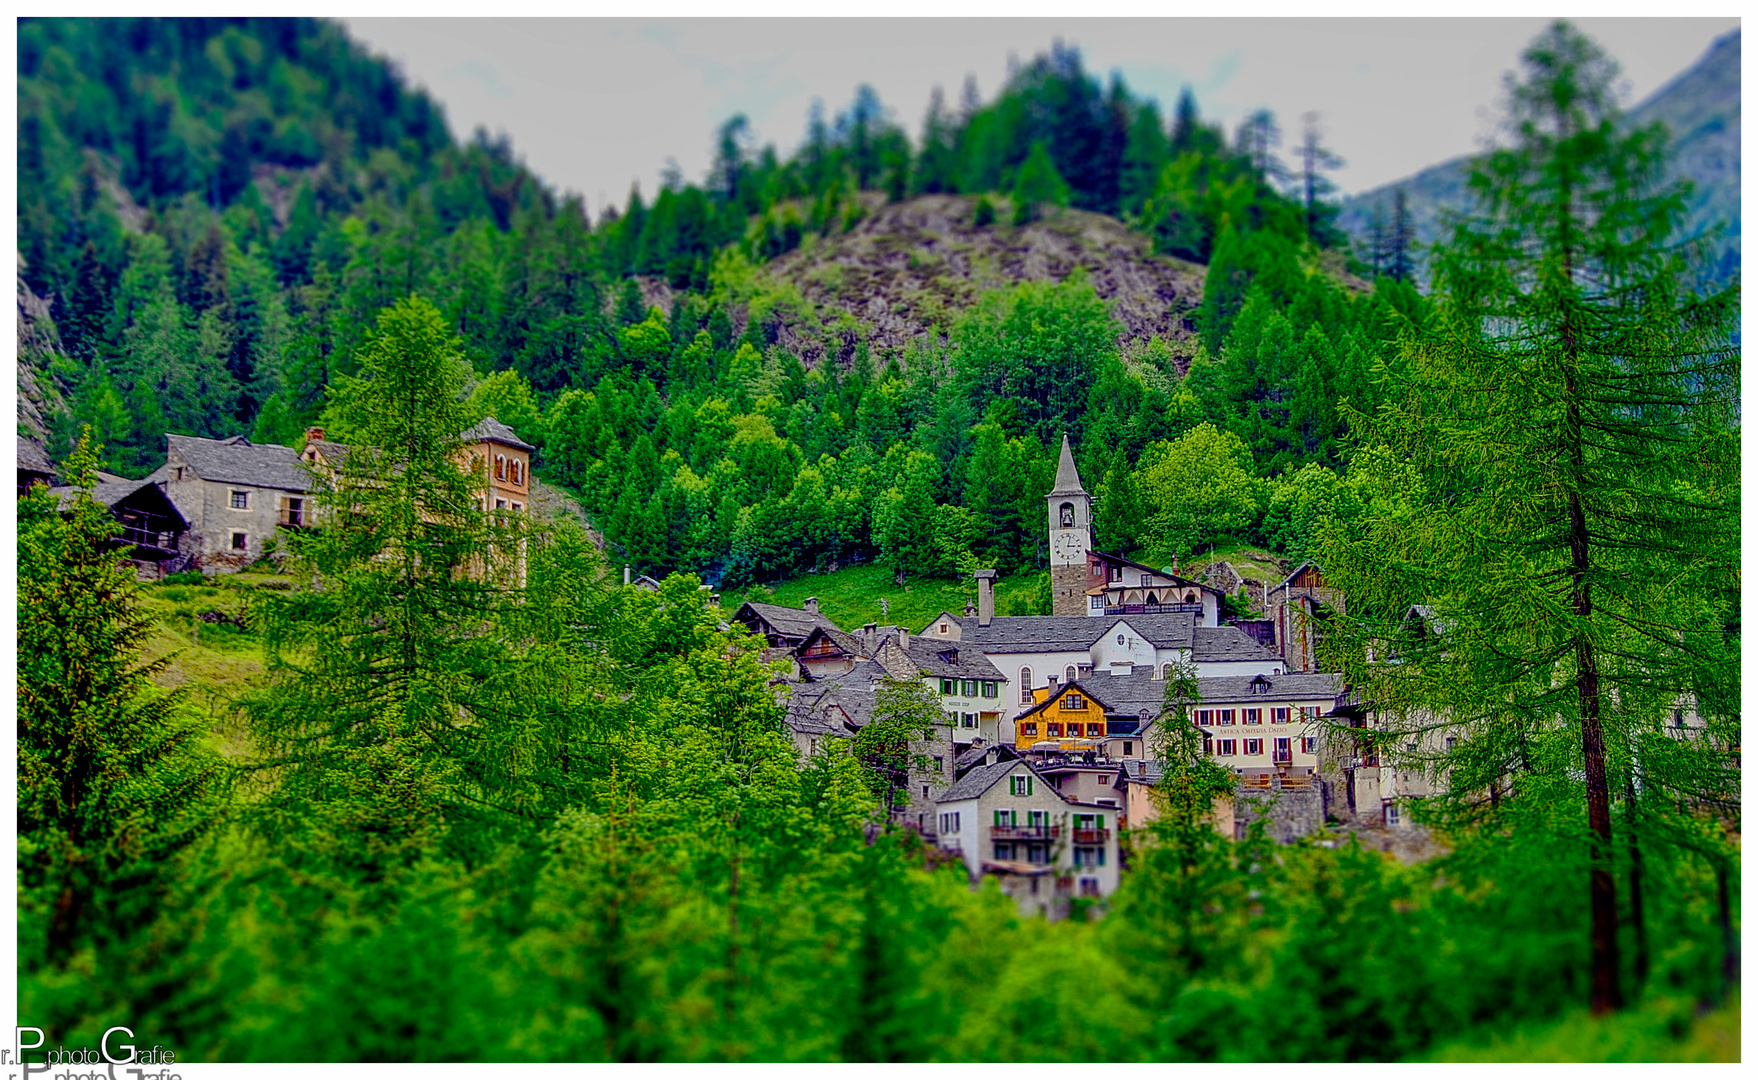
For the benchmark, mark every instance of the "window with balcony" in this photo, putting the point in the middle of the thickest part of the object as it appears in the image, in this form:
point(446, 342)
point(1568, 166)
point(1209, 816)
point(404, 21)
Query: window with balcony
point(1284, 750)
point(1038, 819)
point(1004, 819)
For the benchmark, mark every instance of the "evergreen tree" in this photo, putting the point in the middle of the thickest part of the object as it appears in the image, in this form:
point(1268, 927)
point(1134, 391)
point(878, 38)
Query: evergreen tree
point(1567, 515)
point(1038, 186)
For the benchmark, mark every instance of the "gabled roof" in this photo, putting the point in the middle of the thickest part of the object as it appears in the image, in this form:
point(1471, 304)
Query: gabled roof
point(843, 640)
point(239, 461)
point(793, 622)
point(334, 453)
point(1121, 561)
point(31, 457)
point(492, 430)
point(1139, 772)
point(1057, 694)
point(982, 778)
point(1295, 573)
point(1065, 633)
point(110, 494)
point(1067, 476)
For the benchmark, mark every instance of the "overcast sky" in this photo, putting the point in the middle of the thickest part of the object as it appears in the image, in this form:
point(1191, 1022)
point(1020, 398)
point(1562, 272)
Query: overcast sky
point(593, 105)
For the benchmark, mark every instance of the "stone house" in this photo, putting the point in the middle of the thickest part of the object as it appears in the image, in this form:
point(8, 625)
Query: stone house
point(237, 497)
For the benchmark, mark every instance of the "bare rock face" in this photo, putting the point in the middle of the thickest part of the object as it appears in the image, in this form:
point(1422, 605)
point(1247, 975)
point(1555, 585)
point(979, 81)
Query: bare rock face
point(905, 272)
point(37, 341)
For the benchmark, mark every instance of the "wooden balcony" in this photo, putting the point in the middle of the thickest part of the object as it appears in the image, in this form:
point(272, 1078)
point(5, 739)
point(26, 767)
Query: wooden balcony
point(1151, 609)
point(1024, 832)
point(1092, 836)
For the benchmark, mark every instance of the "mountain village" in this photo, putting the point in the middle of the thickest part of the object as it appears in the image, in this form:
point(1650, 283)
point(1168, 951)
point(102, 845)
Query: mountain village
point(1053, 727)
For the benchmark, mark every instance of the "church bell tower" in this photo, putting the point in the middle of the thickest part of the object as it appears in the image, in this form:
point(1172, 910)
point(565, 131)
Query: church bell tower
point(1071, 536)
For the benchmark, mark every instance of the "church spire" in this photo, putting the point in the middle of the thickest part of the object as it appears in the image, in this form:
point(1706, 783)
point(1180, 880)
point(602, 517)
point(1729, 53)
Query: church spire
point(1067, 477)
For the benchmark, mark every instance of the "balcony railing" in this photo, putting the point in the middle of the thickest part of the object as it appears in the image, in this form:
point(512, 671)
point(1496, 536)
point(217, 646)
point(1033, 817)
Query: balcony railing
point(1150, 609)
point(159, 541)
point(1024, 832)
point(1283, 759)
point(1091, 836)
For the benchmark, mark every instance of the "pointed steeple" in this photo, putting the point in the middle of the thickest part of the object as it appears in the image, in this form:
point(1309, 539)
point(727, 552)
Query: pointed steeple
point(1067, 477)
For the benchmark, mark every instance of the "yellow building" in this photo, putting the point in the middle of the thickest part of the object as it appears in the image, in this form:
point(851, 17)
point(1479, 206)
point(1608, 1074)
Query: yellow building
point(1067, 713)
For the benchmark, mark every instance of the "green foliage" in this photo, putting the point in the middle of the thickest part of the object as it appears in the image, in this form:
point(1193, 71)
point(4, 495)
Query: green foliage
point(1038, 186)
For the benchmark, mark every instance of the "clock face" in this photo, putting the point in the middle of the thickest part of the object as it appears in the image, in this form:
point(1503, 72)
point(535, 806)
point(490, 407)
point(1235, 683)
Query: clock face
point(1068, 546)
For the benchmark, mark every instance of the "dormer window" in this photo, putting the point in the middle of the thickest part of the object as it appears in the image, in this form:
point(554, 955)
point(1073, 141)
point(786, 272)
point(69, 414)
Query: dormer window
point(1260, 685)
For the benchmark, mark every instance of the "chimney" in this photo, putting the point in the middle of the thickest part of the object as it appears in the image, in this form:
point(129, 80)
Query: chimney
point(903, 638)
point(985, 596)
point(870, 636)
point(811, 605)
point(626, 571)
point(314, 434)
point(970, 610)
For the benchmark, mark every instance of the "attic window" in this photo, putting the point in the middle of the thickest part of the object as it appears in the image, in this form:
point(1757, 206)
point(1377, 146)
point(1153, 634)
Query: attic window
point(1119, 639)
point(943, 628)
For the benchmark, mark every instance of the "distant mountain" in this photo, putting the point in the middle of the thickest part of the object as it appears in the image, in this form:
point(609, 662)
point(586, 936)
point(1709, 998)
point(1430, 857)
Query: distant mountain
point(1701, 107)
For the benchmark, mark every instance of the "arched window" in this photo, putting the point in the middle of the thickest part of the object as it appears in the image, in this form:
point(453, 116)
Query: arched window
point(1025, 686)
point(1166, 671)
point(1190, 598)
point(500, 467)
point(1068, 515)
point(1068, 674)
point(518, 471)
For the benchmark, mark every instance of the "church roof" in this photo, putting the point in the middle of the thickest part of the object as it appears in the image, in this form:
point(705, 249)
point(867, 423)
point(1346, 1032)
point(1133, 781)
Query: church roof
point(1067, 476)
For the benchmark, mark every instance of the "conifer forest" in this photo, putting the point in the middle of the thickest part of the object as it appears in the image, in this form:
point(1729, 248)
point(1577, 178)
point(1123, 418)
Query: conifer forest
point(432, 781)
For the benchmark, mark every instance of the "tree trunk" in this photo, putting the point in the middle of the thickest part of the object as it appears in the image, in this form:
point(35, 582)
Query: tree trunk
point(1601, 889)
point(1730, 946)
point(1637, 919)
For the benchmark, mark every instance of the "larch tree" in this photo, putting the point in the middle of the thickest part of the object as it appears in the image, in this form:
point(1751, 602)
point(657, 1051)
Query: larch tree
point(1550, 562)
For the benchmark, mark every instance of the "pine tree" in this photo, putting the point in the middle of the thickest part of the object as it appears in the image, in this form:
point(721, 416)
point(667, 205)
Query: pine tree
point(113, 781)
point(1562, 494)
point(1399, 239)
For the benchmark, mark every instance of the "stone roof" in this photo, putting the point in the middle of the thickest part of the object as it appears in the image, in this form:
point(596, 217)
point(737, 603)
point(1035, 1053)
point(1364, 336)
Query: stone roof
point(31, 457)
point(1214, 644)
point(111, 493)
point(1233, 688)
point(1067, 476)
point(239, 461)
point(492, 430)
point(1065, 633)
point(1139, 772)
point(793, 622)
point(981, 779)
point(333, 452)
point(970, 663)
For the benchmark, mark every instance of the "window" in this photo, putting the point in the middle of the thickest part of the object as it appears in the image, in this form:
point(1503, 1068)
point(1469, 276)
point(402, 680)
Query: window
point(991, 689)
point(939, 765)
point(500, 467)
point(518, 507)
point(924, 791)
point(1029, 728)
point(1279, 716)
point(1254, 746)
point(1391, 813)
point(1067, 515)
point(1309, 712)
point(1004, 818)
point(1254, 716)
point(1166, 672)
point(500, 504)
point(1089, 886)
point(946, 686)
point(1224, 717)
point(970, 688)
point(1308, 744)
point(1004, 851)
point(1096, 603)
point(968, 719)
point(1019, 785)
point(1205, 716)
point(1037, 819)
point(1053, 730)
point(943, 630)
point(949, 823)
point(1025, 686)
point(1225, 747)
point(518, 472)
point(1068, 674)
point(240, 500)
point(1073, 701)
point(1104, 779)
point(1119, 639)
point(1128, 749)
point(240, 541)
